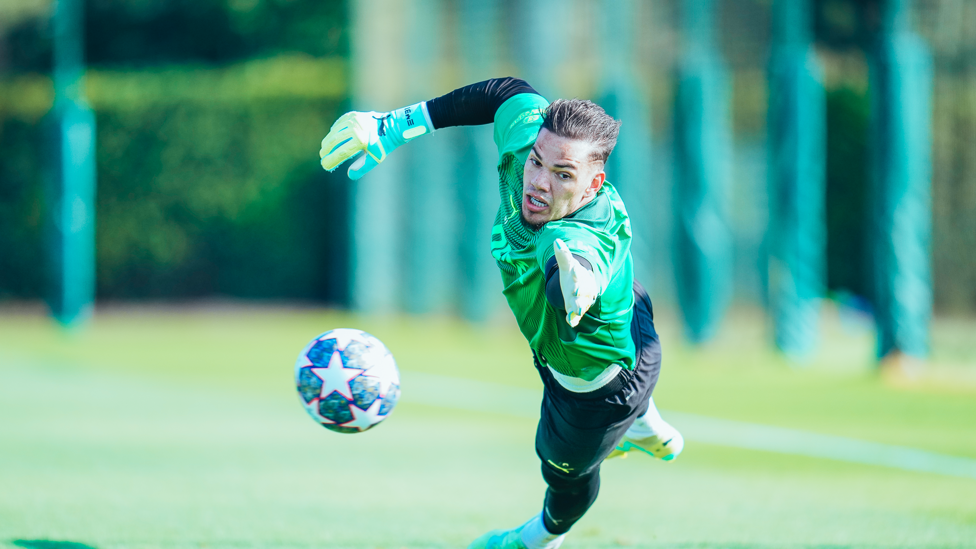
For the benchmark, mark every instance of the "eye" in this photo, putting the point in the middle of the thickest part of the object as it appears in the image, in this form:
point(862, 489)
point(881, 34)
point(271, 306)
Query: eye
point(565, 176)
point(534, 161)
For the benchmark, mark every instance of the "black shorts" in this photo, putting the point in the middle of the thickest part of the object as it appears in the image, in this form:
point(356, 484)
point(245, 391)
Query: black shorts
point(578, 430)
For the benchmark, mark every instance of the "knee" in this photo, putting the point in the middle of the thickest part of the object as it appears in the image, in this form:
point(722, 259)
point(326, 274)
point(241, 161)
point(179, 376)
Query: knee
point(564, 479)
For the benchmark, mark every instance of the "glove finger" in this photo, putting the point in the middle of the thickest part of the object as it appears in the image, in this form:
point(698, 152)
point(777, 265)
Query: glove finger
point(362, 165)
point(336, 137)
point(343, 121)
point(340, 154)
point(584, 282)
point(563, 256)
point(573, 318)
point(341, 130)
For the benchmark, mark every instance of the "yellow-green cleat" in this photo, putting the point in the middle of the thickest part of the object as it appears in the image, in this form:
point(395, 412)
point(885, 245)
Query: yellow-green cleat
point(665, 443)
point(500, 539)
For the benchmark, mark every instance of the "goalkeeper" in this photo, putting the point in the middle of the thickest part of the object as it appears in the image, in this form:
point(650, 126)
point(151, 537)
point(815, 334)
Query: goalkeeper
point(561, 240)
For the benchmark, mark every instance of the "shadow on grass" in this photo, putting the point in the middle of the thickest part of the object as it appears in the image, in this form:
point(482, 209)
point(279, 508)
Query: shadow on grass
point(49, 544)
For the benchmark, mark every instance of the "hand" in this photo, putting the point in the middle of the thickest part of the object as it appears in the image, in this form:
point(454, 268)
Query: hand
point(577, 283)
point(374, 134)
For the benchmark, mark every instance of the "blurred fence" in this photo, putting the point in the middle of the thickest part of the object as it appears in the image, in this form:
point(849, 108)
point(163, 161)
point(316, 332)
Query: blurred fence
point(209, 114)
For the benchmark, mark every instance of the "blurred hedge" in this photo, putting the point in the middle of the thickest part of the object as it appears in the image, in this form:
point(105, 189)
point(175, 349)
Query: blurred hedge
point(848, 267)
point(954, 187)
point(21, 205)
point(208, 184)
point(139, 33)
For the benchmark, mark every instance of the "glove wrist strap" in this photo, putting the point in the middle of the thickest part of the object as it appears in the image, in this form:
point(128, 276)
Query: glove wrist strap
point(427, 120)
point(411, 122)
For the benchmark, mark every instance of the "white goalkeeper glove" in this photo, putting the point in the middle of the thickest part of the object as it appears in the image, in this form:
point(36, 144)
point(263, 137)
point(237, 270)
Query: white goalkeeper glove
point(375, 134)
point(578, 284)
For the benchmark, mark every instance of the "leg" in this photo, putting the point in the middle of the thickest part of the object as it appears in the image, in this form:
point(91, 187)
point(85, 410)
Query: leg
point(651, 435)
point(576, 432)
point(567, 498)
point(649, 432)
point(575, 435)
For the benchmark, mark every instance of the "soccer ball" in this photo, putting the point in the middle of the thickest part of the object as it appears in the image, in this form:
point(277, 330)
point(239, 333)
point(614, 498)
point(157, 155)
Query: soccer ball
point(347, 380)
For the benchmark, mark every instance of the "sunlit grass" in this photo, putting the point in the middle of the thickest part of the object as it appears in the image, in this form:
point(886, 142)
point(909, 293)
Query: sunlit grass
point(165, 427)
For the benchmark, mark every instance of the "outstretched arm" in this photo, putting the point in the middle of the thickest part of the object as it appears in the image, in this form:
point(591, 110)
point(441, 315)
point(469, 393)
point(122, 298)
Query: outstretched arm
point(374, 135)
point(476, 104)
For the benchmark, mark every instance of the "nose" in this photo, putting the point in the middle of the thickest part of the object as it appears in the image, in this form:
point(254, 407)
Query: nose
point(541, 180)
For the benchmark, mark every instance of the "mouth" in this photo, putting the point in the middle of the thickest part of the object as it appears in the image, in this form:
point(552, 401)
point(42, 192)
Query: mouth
point(534, 204)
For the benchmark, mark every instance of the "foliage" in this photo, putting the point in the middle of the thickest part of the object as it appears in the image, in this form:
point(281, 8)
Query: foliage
point(954, 191)
point(208, 182)
point(209, 115)
point(136, 33)
point(226, 202)
point(847, 191)
point(20, 209)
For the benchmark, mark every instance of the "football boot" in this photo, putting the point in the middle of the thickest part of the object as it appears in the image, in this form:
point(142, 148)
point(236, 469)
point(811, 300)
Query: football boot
point(663, 442)
point(500, 539)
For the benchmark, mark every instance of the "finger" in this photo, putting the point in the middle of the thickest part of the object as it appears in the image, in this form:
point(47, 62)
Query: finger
point(584, 282)
point(343, 121)
point(335, 138)
point(573, 318)
point(576, 313)
point(563, 256)
point(340, 154)
point(341, 130)
point(362, 165)
point(582, 305)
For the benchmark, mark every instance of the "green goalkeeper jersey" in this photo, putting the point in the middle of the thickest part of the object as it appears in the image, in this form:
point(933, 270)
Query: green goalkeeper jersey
point(599, 232)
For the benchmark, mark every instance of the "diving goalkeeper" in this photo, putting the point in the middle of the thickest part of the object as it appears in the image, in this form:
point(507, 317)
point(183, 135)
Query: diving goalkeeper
point(561, 240)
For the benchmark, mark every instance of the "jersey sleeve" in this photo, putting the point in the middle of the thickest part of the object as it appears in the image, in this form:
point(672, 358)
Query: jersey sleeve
point(581, 242)
point(475, 104)
point(517, 123)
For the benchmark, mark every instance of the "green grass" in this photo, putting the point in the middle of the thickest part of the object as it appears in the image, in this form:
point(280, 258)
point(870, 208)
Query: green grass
point(172, 427)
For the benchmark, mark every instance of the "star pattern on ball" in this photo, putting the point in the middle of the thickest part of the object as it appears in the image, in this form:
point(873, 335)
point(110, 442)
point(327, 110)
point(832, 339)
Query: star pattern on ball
point(385, 370)
point(343, 336)
point(364, 419)
point(336, 377)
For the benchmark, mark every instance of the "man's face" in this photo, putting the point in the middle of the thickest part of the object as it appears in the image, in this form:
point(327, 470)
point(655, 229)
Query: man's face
point(559, 178)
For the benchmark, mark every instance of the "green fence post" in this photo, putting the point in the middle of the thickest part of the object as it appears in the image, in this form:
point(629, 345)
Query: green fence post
point(901, 87)
point(629, 167)
point(796, 235)
point(71, 204)
point(701, 134)
point(477, 173)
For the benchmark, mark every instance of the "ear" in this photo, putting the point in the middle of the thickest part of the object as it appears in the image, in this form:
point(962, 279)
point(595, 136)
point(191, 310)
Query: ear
point(595, 184)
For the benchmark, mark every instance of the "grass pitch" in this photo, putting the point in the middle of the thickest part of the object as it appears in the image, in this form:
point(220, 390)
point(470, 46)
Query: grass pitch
point(180, 428)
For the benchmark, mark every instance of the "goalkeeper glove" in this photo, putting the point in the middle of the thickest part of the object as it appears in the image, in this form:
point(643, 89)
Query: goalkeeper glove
point(577, 283)
point(375, 134)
